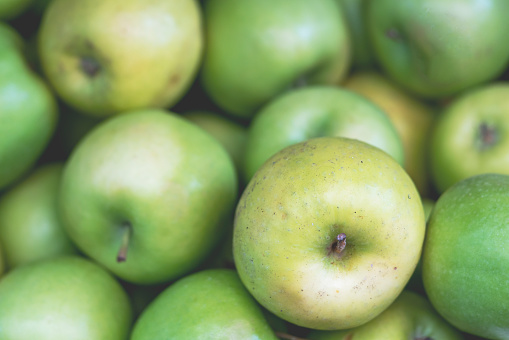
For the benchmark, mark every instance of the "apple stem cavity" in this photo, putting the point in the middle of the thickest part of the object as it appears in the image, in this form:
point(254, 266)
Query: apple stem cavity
point(338, 245)
point(487, 135)
point(90, 66)
point(126, 236)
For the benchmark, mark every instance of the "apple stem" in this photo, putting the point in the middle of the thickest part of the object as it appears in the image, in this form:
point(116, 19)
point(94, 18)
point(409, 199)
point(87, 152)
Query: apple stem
point(287, 336)
point(90, 66)
point(488, 135)
point(338, 245)
point(126, 236)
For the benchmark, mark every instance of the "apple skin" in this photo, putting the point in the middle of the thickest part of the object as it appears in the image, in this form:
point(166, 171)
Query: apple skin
point(438, 48)
point(468, 138)
point(210, 304)
point(157, 177)
point(107, 57)
point(30, 228)
point(65, 298)
point(317, 111)
point(412, 118)
point(465, 258)
point(28, 114)
point(258, 49)
point(295, 206)
point(411, 316)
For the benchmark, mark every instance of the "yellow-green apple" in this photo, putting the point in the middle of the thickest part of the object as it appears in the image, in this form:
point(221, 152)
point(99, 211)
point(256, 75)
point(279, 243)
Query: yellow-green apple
point(107, 57)
point(328, 232)
point(437, 48)
point(30, 228)
point(354, 11)
point(412, 117)
point(317, 111)
point(258, 49)
point(410, 317)
point(465, 257)
point(28, 114)
point(209, 304)
point(64, 298)
point(231, 134)
point(468, 138)
point(146, 194)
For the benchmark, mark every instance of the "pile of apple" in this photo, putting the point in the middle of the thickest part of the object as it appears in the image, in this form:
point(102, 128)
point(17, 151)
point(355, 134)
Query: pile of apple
point(264, 169)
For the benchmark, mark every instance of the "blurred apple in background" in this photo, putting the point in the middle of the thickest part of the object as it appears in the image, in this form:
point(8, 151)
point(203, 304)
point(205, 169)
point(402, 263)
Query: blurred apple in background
point(465, 257)
point(66, 298)
point(30, 228)
point(328, 233)
point(437, 48)
point(210, 304)
point(106, 57)
point(258, 49)
point(469, 136)
point(28, 114)
point(411, 316)
point(412, 118)
point(147, 194)
point(317, 111)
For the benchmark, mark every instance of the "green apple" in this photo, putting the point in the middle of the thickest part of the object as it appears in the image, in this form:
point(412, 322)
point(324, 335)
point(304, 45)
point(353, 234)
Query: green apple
point(210, 304)
point(30, 228)
point(10, 9)
point(258, 49)
point(469, 136)
point(28, 114)
point(68, 298)
point(146, 194)
point(231, 134)
point(465, 258)
point(437, 48)
point(328, 232)
point(107, 57)
point(317, 111)
point(412, 118)
point(354, 11)
point(411, 316)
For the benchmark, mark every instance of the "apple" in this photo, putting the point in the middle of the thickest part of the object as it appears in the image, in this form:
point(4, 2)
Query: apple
point(328, 232)
point(437, 48)
point(28, 114)
point(412, 118)
point(468, 138)
point(411, 316)
point(231, 134)
point(146, 194)
point(30, 228)
point(465, 258)
point(354, 11)
point(107, 57)
point(256, 50)
point(67, 298)
point(317, 111)
point(209, 304)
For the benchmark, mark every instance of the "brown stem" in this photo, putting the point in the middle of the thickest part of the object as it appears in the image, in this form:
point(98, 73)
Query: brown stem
point(338, 245)
point(124, 245)
point(488, 136)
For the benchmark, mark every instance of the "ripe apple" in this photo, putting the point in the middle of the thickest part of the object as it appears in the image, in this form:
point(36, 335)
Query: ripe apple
point(465, 257)
point(146, 194)
point(328, 232)
point(65, 298)
point(209, 304)
point(258, 49)
point(411, 316)
point(412, 118)
point(468, 138)
point(438, 48)
point(30, 228)
point(317, 111)
point(231, 134)
point(28, 114)
point(107, 57)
